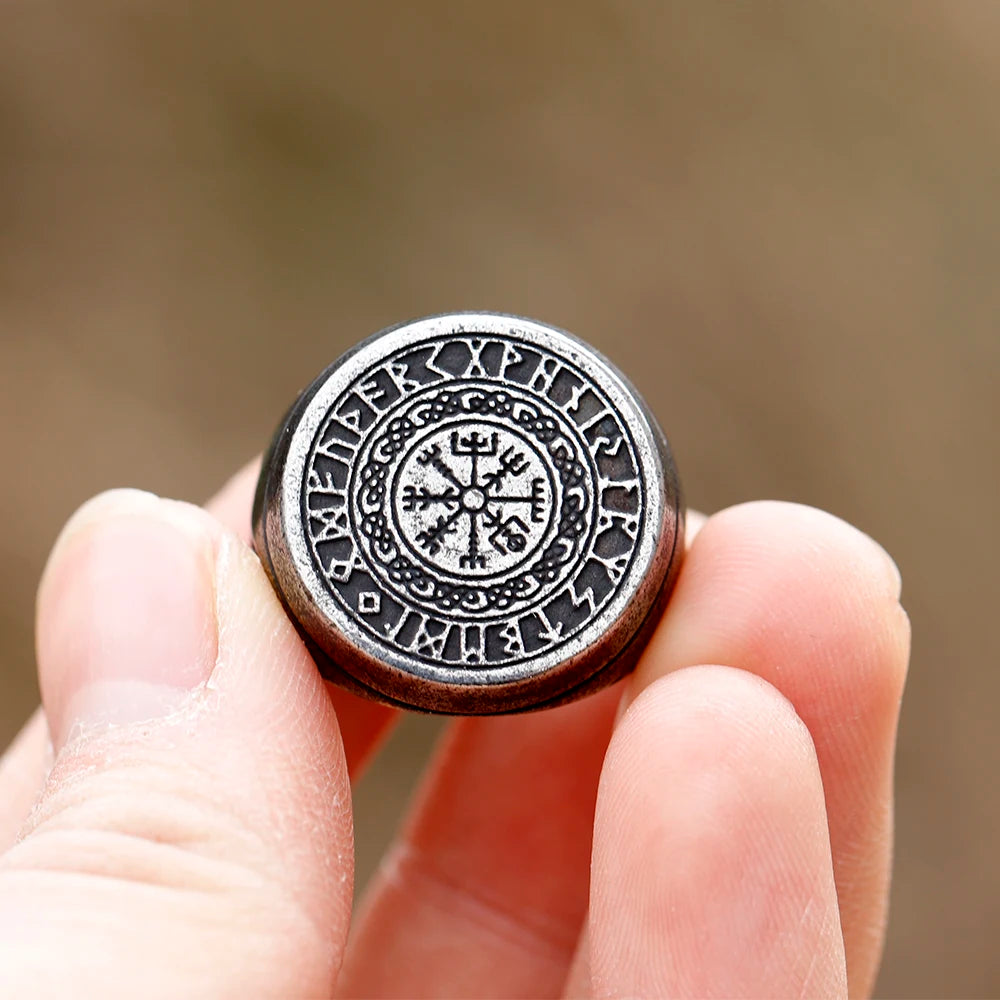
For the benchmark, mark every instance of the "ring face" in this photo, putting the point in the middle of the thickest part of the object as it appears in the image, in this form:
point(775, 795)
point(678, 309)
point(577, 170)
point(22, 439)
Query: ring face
point(469, 512)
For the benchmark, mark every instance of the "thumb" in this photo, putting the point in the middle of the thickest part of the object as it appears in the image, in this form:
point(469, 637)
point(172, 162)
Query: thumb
point(194, 834)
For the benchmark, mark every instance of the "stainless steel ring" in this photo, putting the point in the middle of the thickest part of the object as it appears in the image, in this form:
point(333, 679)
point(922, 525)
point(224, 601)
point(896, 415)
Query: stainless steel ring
point(471, 513)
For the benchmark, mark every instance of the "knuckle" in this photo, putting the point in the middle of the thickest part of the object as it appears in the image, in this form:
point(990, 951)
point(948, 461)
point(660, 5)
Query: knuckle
point(141, 819)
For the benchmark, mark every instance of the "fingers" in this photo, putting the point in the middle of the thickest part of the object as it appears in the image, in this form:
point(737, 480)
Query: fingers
point(810, 604)
point(364, 724)
point(194, 834)
point(712, 873)
point(485, 892)
point(22, 771)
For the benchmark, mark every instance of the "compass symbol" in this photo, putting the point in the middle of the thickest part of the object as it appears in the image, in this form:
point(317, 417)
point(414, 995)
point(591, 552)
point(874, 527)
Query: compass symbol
point(474, 500)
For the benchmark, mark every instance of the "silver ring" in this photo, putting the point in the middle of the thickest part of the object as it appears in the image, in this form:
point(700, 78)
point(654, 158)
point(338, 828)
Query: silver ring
point(471, 513)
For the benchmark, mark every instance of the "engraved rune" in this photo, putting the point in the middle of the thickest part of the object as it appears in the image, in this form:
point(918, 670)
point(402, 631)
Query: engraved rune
point(433, 538)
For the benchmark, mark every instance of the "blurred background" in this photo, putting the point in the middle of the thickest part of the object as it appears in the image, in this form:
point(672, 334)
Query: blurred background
point(781, 219)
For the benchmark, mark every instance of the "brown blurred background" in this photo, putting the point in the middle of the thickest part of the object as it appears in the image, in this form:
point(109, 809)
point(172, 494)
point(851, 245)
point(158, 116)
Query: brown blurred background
point(782, 219)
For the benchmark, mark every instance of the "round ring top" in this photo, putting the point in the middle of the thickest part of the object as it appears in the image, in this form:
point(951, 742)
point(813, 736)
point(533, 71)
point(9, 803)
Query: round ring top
point(470, 513)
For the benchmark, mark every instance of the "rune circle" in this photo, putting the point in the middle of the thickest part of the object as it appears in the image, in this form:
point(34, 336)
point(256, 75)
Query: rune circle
point(473, 500)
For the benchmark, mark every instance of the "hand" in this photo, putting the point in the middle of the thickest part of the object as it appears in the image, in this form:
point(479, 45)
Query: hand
point(729, 835)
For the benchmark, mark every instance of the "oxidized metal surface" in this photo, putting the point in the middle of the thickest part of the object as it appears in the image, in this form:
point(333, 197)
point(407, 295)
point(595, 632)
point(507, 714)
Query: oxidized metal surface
point(470, 513)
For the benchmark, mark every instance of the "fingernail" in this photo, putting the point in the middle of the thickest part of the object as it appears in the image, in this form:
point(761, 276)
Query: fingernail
point(126, 613)
point(892, 571)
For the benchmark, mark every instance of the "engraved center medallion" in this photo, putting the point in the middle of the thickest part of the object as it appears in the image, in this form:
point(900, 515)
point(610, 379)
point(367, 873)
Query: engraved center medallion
point(473, 500)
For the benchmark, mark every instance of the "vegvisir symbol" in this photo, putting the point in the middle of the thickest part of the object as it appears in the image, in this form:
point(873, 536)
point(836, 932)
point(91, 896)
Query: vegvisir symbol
point(486, 486)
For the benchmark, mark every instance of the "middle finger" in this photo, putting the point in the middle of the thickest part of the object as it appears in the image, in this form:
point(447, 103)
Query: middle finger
point(485, 890)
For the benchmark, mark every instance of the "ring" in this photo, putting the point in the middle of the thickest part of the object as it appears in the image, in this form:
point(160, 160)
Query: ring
point(471, 513)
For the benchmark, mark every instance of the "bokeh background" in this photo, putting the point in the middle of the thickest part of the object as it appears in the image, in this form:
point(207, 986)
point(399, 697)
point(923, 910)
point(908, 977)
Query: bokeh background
point(781, 219)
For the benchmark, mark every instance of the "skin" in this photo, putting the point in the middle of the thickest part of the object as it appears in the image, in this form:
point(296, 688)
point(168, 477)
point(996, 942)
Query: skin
point(175, 821)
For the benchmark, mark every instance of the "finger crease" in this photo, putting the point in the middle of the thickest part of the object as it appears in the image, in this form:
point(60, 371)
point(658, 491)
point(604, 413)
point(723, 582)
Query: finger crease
point(409, 869)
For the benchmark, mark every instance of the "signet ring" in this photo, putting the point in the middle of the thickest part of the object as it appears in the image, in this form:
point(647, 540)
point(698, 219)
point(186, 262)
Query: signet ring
point(471, 513)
